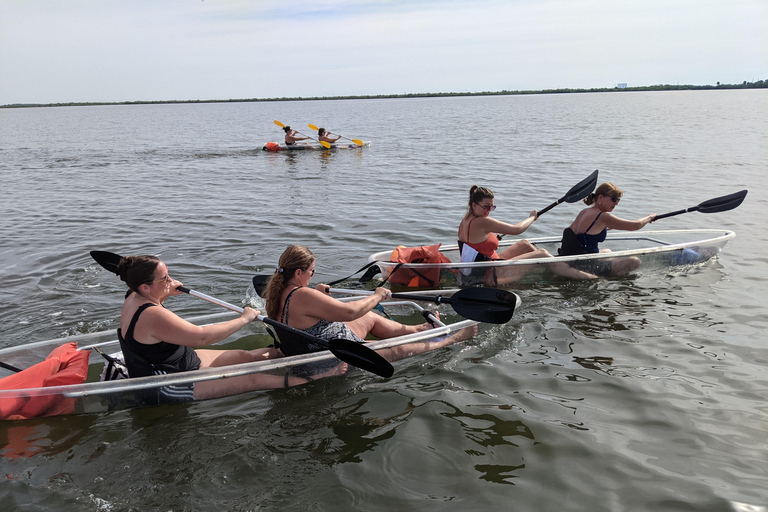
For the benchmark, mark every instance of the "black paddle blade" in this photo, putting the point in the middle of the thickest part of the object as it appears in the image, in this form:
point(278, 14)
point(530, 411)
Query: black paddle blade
point(108, 260)
point(582, 189)
point(362, 357)
point(372, 271)
point(260, 284)
point(488, 305)
point(723, 203)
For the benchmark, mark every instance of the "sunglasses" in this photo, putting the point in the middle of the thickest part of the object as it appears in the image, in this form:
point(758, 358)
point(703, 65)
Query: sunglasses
point(487, 208)
point(167, 279)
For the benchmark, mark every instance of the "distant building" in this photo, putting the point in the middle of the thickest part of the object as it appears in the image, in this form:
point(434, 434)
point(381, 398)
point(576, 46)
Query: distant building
point(621, 86)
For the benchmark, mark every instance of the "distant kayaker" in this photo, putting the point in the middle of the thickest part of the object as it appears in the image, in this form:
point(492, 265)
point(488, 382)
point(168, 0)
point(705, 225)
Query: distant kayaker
point(156, 341)
point(290, 136)
point(591, 227)
point(321, 135)
point(291, 301)
point(478, 242)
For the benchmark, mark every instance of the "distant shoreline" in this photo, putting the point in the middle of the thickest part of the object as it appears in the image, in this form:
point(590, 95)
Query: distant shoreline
point(760, 84)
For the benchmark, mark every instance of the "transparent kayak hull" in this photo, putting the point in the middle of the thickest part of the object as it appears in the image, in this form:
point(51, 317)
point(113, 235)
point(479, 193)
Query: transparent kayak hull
point(653, 249)
point(274, 146)
point(95, 396)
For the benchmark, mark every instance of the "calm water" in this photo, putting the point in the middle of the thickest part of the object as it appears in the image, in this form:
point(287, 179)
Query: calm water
point(644, 393)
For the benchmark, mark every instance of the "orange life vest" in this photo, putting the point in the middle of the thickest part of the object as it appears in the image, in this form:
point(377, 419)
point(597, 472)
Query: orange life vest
point(64, 365)
point(411, 277)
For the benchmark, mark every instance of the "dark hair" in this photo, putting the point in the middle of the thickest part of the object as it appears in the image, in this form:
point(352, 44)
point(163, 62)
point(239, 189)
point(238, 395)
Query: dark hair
point(606, 189)
point(320, 131)
point(286, 129)
point(294, 257)
point(477, 194)
point(137, 270)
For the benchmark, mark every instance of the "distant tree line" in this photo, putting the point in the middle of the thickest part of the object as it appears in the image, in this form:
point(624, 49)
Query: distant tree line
point(760, 84)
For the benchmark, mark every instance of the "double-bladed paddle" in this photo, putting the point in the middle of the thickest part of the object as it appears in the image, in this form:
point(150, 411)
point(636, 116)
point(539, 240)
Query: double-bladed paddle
point(718, 204)
point(356, 141)
point(579, 191)
point(322, 142)
point(488, 305)
point(348, 351)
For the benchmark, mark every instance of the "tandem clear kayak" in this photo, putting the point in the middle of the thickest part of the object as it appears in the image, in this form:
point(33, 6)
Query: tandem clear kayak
point(435, 266)
point(274, 146)
point(71, 375)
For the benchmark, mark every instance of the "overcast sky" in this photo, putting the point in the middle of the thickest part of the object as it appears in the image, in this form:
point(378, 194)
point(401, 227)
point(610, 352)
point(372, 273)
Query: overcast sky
point(54, 51)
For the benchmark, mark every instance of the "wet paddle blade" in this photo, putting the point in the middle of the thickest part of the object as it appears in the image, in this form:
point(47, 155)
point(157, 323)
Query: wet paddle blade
point(582, 189)
point(488, 305)
point(108, 260)
point(579, 191)
point(718, 204)
point(278, 123)
point(362, 357)
point(260, 284)
point(723, 203)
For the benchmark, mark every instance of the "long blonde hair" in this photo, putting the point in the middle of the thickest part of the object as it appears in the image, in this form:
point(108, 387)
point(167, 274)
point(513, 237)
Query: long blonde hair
point(294, 257)
point(606, 189)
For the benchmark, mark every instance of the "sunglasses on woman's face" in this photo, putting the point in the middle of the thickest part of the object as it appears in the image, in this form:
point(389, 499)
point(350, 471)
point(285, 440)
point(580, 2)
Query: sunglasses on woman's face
point(487, 208)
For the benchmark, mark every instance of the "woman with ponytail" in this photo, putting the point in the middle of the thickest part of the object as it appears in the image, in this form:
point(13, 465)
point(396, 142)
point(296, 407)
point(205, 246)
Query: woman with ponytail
point(156, 341)
point(291, 301)
point(478, 242)
point(591, 227)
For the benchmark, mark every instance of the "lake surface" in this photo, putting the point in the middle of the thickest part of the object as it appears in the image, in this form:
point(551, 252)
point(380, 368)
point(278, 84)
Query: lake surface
point(639, 393)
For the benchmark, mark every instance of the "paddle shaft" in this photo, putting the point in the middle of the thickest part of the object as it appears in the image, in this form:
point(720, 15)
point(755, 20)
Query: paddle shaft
point(678, 212)
point(262, 318)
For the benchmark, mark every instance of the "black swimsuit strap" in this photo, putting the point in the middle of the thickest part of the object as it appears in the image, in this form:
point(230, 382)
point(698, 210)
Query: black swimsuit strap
point(593, 222)
point(284, 316)
point(132, 325)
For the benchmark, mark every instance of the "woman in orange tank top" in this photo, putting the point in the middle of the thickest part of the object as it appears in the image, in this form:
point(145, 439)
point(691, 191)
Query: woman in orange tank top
point(478, 241)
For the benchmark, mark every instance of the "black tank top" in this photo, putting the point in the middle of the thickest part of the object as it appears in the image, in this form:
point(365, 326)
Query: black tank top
point(154, 359)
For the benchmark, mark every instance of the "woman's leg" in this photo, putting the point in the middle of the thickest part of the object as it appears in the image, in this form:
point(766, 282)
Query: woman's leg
point(382, 328)
point(257, 381)
point(419, 347)
point(517, 249)
point(216, 358)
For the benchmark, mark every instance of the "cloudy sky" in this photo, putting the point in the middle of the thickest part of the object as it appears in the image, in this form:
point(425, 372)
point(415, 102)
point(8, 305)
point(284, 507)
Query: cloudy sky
point(55, 51)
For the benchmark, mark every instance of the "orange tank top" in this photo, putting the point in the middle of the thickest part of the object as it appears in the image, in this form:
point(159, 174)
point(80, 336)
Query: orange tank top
point(487, 247)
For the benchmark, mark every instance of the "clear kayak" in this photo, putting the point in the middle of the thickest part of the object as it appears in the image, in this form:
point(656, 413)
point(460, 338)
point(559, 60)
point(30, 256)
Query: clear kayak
point(646, 250)
point(274, 146)
point(97, 396)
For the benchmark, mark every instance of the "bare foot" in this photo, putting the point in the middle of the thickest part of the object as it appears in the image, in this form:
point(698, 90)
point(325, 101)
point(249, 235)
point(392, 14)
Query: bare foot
point(339, 369)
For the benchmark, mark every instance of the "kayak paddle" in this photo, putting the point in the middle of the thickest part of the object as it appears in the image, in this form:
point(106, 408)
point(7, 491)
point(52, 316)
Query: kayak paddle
point(489, 305)
point(356, 354)
point(579, 191)
point(260, 281)
point(718, 204)
point(356, 141)
point(322, 142)
point(348, 351)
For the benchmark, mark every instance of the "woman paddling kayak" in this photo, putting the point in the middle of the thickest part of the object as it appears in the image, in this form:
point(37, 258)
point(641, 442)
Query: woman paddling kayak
point(291, 301)
point(478, 242)
point(591, 227)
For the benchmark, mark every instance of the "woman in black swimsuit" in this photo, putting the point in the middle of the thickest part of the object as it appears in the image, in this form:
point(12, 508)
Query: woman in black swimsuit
point(156, 341)
point(591, 226)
